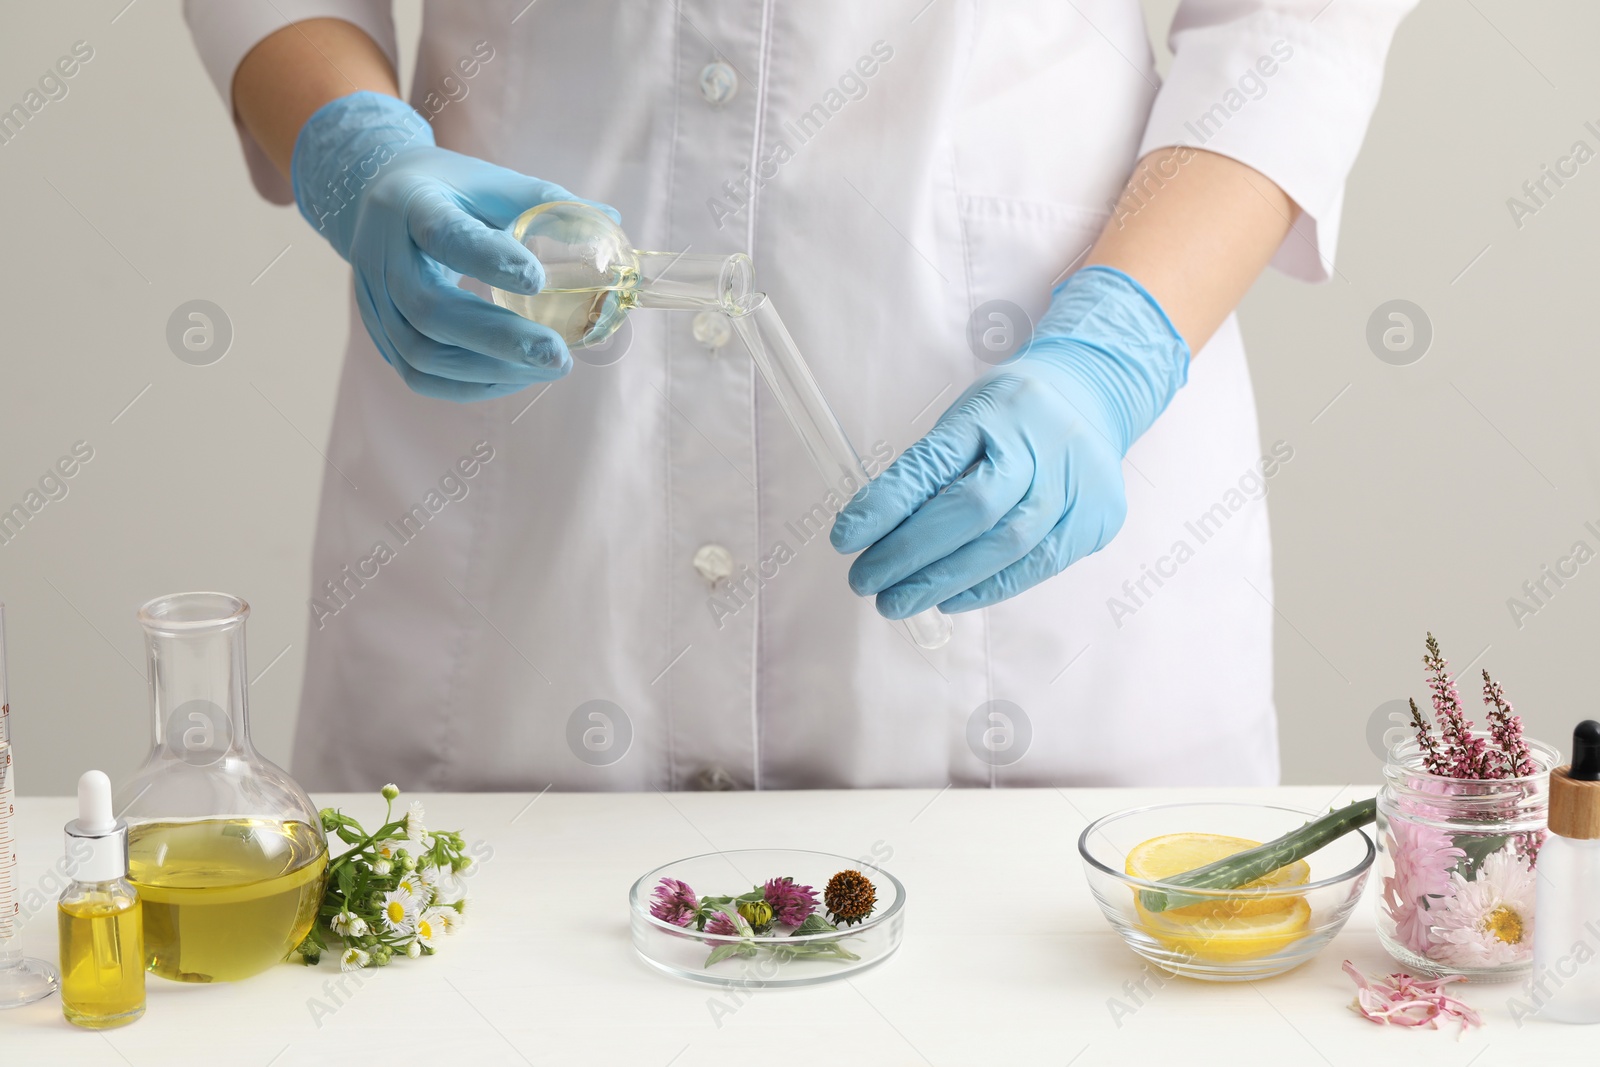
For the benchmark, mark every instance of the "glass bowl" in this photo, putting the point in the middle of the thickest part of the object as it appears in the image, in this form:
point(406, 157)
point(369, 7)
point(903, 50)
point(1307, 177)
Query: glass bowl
point(1231, 935)
point(770, 960)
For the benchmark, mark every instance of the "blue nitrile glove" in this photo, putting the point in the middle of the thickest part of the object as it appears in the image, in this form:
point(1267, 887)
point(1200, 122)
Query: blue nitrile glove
point(411, 219)
point(1022, 476)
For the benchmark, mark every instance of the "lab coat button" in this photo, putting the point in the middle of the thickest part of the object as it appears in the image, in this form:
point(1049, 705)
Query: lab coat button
point(718, 82)
point(712, 328)
point(713, 562)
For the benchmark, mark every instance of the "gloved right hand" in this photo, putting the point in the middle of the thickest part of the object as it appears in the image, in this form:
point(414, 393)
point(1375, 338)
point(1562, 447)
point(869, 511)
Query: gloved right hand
point(412, 218)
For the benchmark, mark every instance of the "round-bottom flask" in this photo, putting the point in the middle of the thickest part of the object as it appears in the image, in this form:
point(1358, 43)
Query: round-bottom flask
point(225, 849)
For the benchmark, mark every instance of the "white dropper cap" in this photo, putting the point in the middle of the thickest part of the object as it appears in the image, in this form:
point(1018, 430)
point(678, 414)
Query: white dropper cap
point(97, 842)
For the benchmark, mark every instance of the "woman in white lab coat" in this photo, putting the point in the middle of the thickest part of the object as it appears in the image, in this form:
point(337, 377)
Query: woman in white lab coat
point(609, 581)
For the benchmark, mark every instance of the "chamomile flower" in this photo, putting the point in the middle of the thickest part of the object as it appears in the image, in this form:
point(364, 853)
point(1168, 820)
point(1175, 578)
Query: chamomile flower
point(399, 911)
point(413, 950)
point(415, 831)
point(381, 867)
point(428, 928)
point(448, 919)
point(413, 883)
point(353, 959)
point(348, 925)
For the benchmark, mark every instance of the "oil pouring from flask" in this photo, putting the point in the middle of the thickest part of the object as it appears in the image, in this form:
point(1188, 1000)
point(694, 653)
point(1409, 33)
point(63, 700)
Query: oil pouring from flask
point(594, 276)
point(22, 980)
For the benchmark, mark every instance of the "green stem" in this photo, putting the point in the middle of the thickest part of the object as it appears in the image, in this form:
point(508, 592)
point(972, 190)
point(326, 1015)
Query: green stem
point(1231, 872)
point(365, 843)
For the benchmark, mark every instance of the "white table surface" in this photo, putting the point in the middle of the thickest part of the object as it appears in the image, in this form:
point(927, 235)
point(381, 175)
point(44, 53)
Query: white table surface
point(1006, 959)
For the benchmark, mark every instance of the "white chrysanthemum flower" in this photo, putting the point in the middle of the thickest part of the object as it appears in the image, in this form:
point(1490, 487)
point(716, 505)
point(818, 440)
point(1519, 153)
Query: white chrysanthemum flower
point(347, 924)
point(1489, 922)
point(399, 911)
point(353, 959)
point(381, 867)
point(413, 950)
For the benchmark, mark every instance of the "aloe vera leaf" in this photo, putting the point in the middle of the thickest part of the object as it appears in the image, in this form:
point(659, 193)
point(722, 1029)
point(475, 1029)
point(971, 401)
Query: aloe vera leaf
point(1231, 872)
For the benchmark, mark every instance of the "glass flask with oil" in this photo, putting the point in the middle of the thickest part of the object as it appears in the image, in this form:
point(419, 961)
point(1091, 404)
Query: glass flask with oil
point(225, 849)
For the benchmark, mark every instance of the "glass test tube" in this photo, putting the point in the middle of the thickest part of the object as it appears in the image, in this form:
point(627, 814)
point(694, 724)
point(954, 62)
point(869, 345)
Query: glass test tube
point(22, 980)
point(789, 377)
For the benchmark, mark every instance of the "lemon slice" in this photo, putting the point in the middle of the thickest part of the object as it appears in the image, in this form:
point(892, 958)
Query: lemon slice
point(1217, 939)
point(1162, 857)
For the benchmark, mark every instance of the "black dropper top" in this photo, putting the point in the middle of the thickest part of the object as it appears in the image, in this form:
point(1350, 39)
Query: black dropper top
point(1586, 752)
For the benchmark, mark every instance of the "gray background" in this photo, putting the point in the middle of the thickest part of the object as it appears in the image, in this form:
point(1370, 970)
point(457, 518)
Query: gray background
point(1420, 496)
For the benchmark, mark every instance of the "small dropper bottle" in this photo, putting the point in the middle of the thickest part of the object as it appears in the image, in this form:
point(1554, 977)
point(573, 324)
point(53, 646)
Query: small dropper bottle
point(101, 919)
point(1566, 924)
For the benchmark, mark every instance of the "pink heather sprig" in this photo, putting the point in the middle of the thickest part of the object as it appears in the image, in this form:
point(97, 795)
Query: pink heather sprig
point(1464, 756)
point(1432, 760)
point(1406, 1001)
point(1505, 727)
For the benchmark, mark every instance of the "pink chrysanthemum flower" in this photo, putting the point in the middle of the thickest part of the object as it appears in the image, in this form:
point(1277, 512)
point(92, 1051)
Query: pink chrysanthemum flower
point(1407, 1001)
point(674, 903)
point(1420, 887)
point(791, 904)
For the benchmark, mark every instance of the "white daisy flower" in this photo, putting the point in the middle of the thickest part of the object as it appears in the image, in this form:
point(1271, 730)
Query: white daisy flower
point(399, 911)
point(1490, 921)
point(353, 959)
point(381, 866)
point(447, 919)
point(415, 831)
point(413, 883)
point(346, 924)
point(428, 928)
point(413, 950)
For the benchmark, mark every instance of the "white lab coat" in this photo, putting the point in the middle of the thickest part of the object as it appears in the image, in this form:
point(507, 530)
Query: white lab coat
point(932, 160)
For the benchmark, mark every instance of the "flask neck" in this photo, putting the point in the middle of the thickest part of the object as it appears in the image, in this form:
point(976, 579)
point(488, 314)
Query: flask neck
point(686, 281)
point(198, 681)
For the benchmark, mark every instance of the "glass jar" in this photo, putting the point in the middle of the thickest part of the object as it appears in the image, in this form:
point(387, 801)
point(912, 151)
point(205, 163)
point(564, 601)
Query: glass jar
point(227, 852)
point(1457, 864)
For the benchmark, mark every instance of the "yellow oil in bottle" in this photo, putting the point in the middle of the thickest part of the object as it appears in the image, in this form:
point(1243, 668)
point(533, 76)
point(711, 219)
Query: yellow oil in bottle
point(225, 899)
point(102, 959)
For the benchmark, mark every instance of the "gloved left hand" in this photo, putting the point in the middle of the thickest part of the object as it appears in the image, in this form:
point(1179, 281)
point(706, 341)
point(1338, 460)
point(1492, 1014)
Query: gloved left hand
point(1022, 476)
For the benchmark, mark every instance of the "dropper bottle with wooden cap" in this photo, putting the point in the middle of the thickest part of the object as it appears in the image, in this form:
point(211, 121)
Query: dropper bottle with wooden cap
point(1566, 927)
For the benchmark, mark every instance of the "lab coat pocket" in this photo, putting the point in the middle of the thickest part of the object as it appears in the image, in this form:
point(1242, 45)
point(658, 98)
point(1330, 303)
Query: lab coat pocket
point(1015, 251)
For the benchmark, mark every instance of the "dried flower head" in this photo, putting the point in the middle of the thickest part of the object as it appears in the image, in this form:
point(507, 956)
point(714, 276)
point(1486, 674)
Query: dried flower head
point(850, 897)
